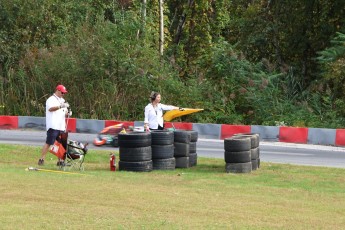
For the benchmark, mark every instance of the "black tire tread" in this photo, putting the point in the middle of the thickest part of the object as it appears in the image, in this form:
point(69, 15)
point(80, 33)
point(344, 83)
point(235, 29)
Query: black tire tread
point(162, 137)
point(237, 157)
point(254, 164)
point(181, 149)
point(192, 147)
point(182, 136)
point(135, 154)
point(182, 162)
point(162, 151)
point(238, 167)
point(254, 137)
point(193, 135)
point(134, 139)
point(255, 153)
point(193, 159)
point(237, 144)
point(164, 164)
point(143, 166)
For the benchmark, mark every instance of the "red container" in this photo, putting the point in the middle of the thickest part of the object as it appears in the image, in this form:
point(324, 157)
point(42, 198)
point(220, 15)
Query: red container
point(112, 162)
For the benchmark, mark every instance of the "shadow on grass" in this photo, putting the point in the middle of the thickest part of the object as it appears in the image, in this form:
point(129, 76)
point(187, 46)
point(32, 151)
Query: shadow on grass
point(207, 168)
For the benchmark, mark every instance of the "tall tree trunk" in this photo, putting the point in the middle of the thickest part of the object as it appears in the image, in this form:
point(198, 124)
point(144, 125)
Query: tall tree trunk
point(161, 27)
point(181, 24)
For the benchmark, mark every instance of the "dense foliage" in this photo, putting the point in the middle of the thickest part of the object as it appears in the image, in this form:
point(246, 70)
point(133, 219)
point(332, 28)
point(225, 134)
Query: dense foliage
point(244, 62)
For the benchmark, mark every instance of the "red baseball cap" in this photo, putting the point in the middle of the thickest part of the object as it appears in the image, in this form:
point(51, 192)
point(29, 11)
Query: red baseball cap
point(61, 88)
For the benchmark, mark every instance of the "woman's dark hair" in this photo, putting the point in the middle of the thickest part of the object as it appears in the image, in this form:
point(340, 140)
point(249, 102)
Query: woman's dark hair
point(153, 95)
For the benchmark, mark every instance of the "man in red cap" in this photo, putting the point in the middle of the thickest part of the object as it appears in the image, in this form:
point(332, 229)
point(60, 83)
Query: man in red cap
point(56, 111)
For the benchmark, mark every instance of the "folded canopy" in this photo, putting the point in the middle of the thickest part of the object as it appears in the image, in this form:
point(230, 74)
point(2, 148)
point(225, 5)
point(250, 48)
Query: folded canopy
point(172, 114)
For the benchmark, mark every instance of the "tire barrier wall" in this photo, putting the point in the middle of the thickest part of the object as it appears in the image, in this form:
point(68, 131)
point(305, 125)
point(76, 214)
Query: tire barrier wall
point(321, 136)
point(254, 149)
point(193, 155)
point(162, 144)
point(237, 154)
point(135, 152)
point(182, 140)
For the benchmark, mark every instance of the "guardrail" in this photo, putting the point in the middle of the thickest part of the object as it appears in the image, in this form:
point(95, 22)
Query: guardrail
point(303, 135)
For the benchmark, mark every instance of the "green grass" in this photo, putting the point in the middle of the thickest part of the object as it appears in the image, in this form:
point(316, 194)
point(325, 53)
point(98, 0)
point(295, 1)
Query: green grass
point(276, 196)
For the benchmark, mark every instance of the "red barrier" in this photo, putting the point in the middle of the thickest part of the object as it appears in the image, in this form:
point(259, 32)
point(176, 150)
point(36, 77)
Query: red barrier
point(8, 122)
point(293, 134)
point(340, 137)
point(126, 124)
point(71, 125)
point(230, 130)
point(178, 125)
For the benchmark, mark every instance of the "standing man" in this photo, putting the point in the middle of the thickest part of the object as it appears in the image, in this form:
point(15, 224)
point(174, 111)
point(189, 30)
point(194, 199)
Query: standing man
point(56, 112)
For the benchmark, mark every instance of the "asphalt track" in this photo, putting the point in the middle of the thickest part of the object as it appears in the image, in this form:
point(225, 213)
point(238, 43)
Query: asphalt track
point(275, 152)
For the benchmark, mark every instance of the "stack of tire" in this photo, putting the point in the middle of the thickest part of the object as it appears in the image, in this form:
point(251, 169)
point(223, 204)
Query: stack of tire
point(254, 149)
point(237, 154)
point(135, 152)
point(193, 156)
point(162, 144)
point(182, 140)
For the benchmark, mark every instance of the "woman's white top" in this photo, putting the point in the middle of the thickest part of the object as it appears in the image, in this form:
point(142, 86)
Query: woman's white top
point(154, 115)
point(55, 119)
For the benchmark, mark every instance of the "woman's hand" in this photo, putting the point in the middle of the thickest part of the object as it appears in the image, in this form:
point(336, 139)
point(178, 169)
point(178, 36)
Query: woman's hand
point(146, 127)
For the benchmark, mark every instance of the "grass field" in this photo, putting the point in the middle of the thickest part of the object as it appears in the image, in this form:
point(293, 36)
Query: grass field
point(276, 196)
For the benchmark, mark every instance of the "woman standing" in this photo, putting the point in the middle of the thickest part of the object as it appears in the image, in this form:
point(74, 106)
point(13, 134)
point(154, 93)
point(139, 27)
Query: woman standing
point(154, 112)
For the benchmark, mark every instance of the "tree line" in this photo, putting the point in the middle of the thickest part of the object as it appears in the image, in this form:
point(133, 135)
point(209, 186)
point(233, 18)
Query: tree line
point(245, 62)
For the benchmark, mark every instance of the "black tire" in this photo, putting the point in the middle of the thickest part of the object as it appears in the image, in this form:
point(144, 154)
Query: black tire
point(192, 147)
point(258, 162)
point(182, 162)
point(182, 136)
point(237, 144)
point(254, 137)
point(162, 137)
point(238, 167)
point(142, 166)
point(193, 159)
point(115, 142)
point(237, 157)
point(134, 139)
point(193, 135)
point(254, 164)
point(255, 153)
point(135, 154)
point(181, 149)
point(164, 164)
point(162, 151)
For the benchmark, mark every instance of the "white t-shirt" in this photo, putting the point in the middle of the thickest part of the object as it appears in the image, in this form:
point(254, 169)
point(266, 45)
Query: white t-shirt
point(154, 116)
point(55, 119)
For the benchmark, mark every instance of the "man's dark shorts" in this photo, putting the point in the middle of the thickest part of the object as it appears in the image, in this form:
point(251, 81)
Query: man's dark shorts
point(52, 135)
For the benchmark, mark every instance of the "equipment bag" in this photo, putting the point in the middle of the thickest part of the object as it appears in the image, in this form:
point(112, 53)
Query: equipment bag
point(58, 150)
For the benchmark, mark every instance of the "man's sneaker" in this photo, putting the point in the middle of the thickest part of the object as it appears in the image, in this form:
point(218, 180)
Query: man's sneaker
point(40, 162)
point(60, 163)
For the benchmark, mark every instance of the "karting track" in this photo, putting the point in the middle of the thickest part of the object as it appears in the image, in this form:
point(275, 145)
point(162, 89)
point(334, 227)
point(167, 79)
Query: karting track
point(275, 152)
